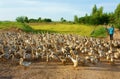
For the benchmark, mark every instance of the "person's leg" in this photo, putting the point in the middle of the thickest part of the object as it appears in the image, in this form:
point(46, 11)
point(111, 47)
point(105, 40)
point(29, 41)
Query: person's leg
point(111, 36)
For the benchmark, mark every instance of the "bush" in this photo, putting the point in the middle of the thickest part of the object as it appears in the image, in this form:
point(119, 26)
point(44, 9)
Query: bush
point(117, 26)
point(100, 32)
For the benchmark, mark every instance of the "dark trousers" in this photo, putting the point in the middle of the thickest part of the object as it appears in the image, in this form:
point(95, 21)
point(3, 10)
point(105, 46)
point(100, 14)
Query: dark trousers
point(111, 36)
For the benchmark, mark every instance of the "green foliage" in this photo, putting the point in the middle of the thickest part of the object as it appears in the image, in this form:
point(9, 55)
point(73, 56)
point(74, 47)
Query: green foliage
point(47, 20)
point(104, 19)
point(33, 20)
point(94, 10)
point(22, 19)
point(111, 18)
point(39, 19)
point(62, 20)
point(99, 32)
point(117, 26)
point(117, 16)
point(26, 28)
point(97, 17)
point(76, 19)
point(22, 26)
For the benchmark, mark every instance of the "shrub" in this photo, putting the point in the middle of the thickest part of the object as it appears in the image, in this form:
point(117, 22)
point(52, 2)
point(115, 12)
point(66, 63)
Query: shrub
point(100, 32)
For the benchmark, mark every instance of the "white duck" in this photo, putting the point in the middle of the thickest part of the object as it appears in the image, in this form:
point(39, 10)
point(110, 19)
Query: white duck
point(75, 61)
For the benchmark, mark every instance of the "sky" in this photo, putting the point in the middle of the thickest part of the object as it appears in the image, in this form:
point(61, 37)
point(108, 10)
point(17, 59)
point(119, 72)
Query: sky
point(53, 9)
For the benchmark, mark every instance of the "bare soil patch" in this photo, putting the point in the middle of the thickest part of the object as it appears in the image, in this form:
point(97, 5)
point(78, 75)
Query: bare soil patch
point(55, 70)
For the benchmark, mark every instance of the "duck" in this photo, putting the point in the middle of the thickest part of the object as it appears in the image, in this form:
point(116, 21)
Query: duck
point(75, 61)
point(24, 63)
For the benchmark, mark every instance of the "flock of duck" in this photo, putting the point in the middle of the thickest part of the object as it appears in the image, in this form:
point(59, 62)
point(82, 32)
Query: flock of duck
point(64, 48)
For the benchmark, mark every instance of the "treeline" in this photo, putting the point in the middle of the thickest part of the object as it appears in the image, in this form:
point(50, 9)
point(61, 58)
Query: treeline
point(25, 19)
point(98, 17)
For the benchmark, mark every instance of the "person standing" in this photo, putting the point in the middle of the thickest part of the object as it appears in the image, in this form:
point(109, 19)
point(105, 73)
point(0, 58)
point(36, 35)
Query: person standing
point(111, 32)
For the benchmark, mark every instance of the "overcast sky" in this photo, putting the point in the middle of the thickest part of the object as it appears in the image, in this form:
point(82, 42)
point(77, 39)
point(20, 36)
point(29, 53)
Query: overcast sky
point(54, 9)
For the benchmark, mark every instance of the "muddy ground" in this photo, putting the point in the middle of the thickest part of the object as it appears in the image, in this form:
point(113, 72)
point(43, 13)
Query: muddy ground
point(56, 70)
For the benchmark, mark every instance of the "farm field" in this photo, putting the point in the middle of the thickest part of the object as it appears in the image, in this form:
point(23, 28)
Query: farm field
point(83, 30)
point(64, 28)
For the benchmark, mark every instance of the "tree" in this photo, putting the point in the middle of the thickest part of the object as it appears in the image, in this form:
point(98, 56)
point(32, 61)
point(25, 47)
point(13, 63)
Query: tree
point(76, 19)
point(94, 10)
point(22, 19)
point(47, 20)
point(62, 20)
point(97, 15)
point(117, 16)
point(100, 11)
point(104, 19)
point(39, 19)
point(33, 20)
point(111, 18)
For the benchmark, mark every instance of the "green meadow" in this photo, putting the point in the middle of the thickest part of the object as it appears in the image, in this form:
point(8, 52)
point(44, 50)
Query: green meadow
point(64, 28)
point(8, 25)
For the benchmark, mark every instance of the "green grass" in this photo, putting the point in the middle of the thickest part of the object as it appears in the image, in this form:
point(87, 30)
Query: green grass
point(8, 25)
point(83, 30)
point(99, 32)
point(65, 28)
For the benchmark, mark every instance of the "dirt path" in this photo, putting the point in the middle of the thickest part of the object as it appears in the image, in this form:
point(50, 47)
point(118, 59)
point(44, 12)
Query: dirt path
point(42, 70)
point(117, 34)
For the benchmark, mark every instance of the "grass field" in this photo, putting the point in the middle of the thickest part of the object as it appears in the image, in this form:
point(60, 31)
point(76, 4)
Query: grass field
point(9, 25)
point(80, 29)
point(64, 28)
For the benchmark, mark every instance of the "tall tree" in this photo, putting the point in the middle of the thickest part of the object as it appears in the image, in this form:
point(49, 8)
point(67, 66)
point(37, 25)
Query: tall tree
point(117, 14)
point(97, 15)
point(39, 19)
point(100, 11)
point(76, 19)
point(94, 10)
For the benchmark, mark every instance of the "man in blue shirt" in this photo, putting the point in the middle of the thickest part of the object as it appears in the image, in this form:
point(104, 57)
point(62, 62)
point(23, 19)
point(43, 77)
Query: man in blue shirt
point(111, 32)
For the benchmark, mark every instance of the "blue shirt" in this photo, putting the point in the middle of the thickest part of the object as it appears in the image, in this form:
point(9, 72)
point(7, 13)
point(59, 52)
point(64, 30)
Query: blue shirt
point(111, 30)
